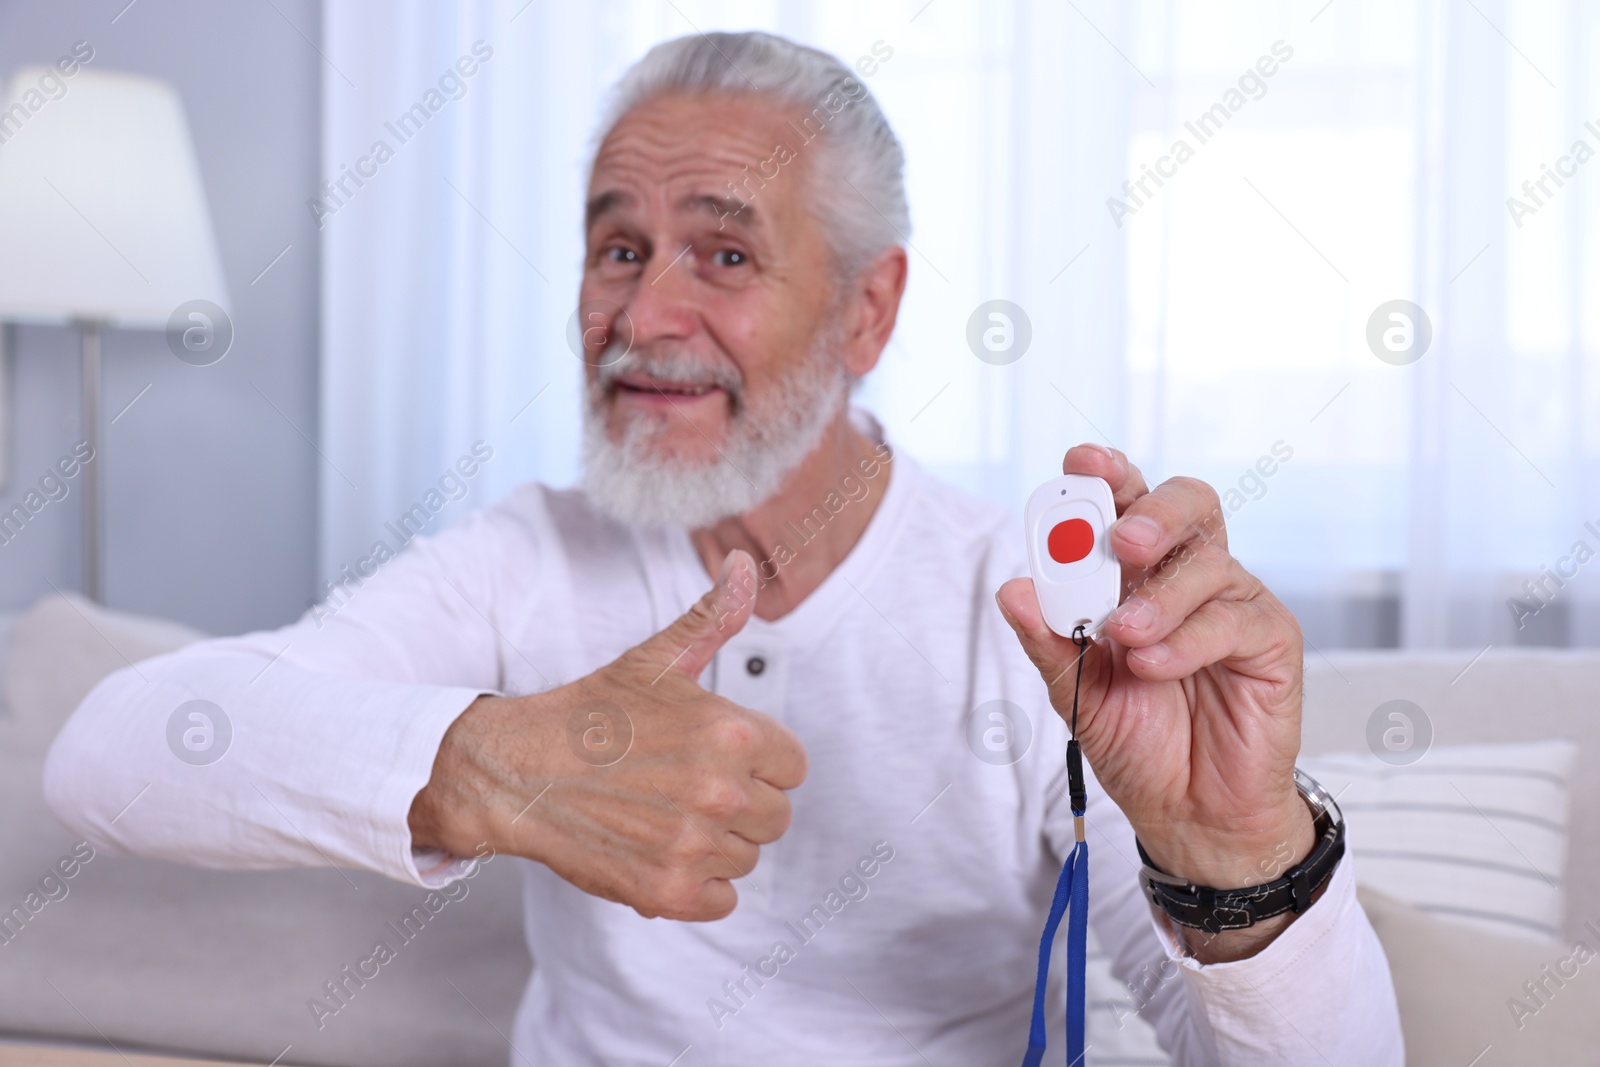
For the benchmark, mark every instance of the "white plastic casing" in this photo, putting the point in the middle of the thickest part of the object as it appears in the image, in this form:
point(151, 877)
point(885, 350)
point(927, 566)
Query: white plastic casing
point(1081, 592)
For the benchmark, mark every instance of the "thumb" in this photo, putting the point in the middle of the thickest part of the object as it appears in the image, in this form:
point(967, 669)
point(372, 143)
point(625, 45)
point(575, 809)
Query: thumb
point(1054, 655)
point(689, 644)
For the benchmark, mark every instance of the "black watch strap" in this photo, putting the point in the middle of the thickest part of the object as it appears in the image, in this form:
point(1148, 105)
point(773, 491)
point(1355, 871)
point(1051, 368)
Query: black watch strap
point(1214, 910)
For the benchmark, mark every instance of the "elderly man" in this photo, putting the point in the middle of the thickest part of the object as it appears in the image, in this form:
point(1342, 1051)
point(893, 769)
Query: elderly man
point(551, 680)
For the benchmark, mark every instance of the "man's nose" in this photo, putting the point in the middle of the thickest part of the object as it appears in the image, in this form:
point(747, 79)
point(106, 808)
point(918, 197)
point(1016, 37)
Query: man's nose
point(663, 305)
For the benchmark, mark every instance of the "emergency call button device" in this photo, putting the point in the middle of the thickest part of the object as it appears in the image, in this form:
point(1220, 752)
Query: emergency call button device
point(1078, 579)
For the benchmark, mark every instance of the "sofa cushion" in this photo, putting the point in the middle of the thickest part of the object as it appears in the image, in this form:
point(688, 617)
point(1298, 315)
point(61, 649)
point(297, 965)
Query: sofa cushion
point(1414, 832)
point(1477, 832)
point(221, 963)
point(63, 646)
point(1473, 696)
point(1472, 996)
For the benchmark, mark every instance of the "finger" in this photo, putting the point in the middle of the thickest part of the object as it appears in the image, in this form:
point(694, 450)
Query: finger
point(1055, 656)
point(729, 859)
point(1176, 511)
point(1158, 602)
point(765, 814)
point(704, 901)
point(1126, 482)
point(703, 859)
point(732, 857)
point(1253, 637)
point(723, 796)
point(779, 759)
point(718, 898)
point(690, 643)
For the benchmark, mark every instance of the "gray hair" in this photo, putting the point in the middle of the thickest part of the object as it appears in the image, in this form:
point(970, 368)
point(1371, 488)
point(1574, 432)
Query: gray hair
point(859, 192)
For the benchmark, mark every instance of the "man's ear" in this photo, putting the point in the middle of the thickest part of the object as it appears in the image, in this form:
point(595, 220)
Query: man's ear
point(878, 290)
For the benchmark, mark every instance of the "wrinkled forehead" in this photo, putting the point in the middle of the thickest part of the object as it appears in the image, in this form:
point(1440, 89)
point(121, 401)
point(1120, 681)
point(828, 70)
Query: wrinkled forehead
point(717, 154)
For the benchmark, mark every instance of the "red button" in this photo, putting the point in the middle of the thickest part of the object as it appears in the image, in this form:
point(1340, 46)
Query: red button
point(1070, 541)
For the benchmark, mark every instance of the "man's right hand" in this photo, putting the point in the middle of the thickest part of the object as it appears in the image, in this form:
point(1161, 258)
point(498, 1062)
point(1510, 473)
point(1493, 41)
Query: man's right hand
point(662, 824)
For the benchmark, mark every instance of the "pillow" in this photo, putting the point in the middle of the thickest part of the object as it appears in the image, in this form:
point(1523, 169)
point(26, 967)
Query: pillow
point(1470, 995)
point(1476, 833)
point(61, 648)
point(1428, 834)
point(56, 653)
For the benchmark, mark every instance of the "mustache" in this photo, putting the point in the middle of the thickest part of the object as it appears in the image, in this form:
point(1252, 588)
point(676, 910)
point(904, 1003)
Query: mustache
point(676, 366)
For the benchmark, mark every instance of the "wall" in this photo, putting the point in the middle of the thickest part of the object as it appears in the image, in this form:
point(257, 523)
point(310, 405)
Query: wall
point(210, 479)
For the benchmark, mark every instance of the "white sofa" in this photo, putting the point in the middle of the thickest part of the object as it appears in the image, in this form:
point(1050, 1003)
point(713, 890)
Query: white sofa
point(222, 963)
point(153, 955)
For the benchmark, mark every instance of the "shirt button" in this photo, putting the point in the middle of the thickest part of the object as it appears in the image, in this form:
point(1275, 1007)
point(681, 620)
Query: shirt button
point(755, 665)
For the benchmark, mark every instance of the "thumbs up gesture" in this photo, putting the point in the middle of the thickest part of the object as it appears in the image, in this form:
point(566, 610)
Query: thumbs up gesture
point(633, 783)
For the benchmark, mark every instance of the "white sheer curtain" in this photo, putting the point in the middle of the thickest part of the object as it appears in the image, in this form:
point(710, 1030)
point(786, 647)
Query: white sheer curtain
point(1375, 167)
point(1219, 329)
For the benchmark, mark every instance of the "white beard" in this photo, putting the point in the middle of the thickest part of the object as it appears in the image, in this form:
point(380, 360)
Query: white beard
point(632, 482)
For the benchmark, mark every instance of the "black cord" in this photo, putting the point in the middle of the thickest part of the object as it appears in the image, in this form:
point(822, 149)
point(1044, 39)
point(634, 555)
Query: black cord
point(1081, 639)
point(1075, 785)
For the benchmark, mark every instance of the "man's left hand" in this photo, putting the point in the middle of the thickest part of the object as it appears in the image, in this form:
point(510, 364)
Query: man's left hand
point(1190, 710)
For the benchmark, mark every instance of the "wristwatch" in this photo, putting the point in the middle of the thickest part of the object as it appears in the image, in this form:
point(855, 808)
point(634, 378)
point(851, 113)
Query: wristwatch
point(1214, 910)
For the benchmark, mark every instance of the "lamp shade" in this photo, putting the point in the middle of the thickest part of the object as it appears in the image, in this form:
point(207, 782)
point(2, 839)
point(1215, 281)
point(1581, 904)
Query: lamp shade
point(102, 211)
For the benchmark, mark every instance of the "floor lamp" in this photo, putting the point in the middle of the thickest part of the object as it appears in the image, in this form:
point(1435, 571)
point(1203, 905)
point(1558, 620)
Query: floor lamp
point(103, 224)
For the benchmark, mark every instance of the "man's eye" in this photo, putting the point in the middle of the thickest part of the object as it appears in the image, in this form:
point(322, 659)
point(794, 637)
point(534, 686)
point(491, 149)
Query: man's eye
point(729, 257)
point(618, 254)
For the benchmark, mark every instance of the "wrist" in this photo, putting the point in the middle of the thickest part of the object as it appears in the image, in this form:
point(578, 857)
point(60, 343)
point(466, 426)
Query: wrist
point(475, 776)
point(1230, 920)
point(1239, 858)
point(1225, 946)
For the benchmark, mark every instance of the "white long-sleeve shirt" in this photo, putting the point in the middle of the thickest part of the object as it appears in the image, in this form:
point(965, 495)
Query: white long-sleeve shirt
point(897, 920)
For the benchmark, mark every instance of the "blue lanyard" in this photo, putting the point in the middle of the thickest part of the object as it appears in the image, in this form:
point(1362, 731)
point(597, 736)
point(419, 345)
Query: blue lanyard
point(1071, 897)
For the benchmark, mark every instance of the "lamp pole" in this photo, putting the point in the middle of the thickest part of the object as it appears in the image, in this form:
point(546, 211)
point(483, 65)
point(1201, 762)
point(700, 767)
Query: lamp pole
point(89, 332)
